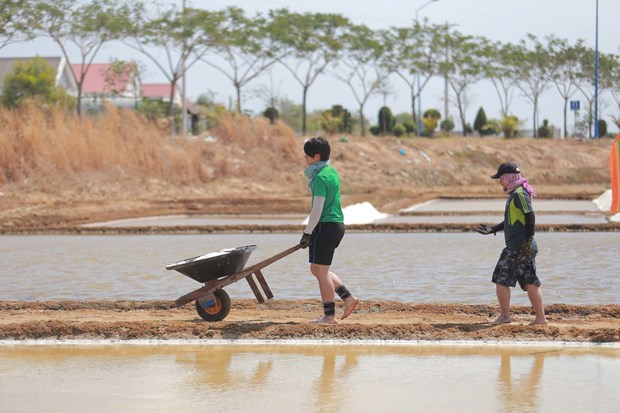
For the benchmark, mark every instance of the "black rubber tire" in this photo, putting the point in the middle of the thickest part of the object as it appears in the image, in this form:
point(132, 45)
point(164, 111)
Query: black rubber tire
point(219, 311)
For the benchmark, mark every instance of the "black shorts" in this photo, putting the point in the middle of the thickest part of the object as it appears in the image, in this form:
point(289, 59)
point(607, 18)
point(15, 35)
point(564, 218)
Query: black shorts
point(324, 240)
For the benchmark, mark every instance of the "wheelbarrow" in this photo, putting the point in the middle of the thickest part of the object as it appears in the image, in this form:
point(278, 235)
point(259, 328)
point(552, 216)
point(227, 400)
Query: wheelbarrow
point(219, 269)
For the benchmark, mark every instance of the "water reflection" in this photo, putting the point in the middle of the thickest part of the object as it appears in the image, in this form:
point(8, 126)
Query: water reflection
point(308, 378)
point(330, 387)
point(519, 392)
point(214, 369)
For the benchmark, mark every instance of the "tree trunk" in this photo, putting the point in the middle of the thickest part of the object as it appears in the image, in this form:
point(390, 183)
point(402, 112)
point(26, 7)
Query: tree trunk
point(238, 89)
point(413, 115)
point(565, 118)
point(590, 119)
point(461, 114)
point(534, 131)
point(173, 85)
point(303, 110)
point(79, 99)
point(446, 99)
point(362, 123)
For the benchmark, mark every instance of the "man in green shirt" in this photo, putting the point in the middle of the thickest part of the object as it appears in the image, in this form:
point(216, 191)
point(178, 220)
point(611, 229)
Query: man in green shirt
point(325, 228)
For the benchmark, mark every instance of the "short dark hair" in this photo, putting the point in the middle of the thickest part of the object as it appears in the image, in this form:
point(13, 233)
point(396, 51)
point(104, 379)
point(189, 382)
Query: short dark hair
point(319, 145)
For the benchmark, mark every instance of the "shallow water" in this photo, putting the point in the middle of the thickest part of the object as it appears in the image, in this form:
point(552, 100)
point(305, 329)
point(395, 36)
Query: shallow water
point(308, 378)
point(575, 268)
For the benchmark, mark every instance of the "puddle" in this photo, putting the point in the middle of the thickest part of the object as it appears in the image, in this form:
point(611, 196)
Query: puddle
point(308, 378)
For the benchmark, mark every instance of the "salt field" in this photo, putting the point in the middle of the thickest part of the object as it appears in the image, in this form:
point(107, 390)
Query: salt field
point(575, 268)
point(148, 376)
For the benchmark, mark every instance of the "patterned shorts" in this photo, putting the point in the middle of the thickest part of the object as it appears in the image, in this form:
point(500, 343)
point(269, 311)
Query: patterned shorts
point(513, 266)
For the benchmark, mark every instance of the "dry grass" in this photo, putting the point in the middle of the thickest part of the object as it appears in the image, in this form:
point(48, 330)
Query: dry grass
point(37, 143)
point(56, 169)
point(273, 147)
point(52, 163)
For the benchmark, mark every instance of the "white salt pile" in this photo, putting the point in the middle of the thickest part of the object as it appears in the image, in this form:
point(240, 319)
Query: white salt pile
point(364, 213)
point(603, 202)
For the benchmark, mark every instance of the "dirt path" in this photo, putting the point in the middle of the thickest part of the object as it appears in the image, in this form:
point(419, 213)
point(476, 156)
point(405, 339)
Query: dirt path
point(291, 319)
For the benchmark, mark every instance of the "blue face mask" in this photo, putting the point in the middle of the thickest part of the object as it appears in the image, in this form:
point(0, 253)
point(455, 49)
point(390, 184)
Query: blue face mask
point(312, 170)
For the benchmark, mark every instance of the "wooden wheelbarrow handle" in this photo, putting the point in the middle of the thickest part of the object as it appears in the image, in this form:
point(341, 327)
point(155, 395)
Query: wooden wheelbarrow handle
point(223, 282)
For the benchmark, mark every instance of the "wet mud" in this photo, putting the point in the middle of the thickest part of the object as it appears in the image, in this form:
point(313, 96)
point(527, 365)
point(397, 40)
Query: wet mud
point(292, 319)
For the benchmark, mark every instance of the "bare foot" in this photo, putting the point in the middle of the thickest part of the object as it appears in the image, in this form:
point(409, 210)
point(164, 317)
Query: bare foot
point(349, 306)
point(538, 323)
point(502, 320)
point(326, 320)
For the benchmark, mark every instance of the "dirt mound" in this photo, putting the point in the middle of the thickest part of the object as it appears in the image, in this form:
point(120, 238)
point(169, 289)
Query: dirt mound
point(292, 319)
point(262, 181)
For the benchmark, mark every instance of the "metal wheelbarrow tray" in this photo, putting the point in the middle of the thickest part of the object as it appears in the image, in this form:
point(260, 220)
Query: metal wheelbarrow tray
point(219, 269)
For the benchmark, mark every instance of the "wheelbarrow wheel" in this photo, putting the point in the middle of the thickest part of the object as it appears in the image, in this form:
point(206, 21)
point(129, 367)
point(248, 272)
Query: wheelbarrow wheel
point(217, 311)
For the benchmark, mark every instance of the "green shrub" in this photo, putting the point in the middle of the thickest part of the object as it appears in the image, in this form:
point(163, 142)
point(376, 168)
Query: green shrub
point(447, 125)
point(398, 130)
point(544, 131)
point(272, 114)
point(510, 126)
point(386, 120)
point(34, 80)
point(430, 119)
point(480, 122)
point(336, 120)
point(410, 127)
point(602, 127)
point(492, 127)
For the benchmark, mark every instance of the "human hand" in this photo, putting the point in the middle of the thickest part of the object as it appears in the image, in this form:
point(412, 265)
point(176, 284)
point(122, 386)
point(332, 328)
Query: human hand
point(484, 229)
point(526, 247)
point(305, 240)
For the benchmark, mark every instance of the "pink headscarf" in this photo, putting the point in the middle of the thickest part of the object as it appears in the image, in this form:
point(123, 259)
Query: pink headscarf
point(513, 181)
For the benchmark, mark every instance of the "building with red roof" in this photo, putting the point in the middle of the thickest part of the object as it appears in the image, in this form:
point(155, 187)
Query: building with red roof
point(161, 91)
point(117, 83)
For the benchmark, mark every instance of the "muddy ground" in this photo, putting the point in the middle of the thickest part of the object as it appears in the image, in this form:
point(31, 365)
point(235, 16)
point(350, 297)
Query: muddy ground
point(292, 319)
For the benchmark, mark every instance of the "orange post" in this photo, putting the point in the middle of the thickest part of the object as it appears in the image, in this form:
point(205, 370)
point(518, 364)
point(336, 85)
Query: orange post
point(614, 169)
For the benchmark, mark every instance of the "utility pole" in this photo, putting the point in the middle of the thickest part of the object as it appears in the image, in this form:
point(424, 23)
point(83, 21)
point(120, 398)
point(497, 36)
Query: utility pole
point(446, 101)
point(596, 131)
point(183, 85)
point(418, 72)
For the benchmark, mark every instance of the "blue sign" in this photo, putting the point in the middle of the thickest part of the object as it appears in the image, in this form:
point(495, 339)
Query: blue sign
point(574, 105)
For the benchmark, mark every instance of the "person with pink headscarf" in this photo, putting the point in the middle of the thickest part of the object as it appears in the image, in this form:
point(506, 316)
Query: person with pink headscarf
point(517, 262)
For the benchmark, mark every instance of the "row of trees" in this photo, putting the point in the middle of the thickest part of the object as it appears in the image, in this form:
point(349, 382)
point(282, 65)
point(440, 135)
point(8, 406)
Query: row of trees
point(309, 45)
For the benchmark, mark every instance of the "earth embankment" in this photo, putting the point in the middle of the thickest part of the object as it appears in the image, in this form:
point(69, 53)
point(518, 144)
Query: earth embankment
point(292, 319)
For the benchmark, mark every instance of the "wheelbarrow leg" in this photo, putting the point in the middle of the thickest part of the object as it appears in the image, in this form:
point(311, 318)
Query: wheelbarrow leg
point(263, 284)
point(261, 288)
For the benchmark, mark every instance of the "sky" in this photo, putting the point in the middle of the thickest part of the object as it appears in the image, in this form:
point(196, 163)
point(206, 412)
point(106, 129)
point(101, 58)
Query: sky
point(498, 20)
